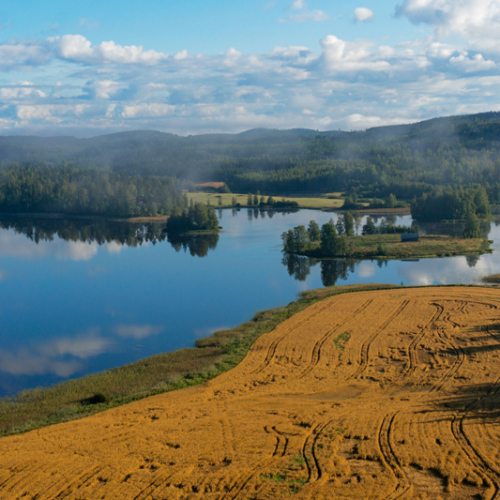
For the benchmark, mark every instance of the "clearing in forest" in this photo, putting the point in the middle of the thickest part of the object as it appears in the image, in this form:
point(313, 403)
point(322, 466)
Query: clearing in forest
point(379, 395)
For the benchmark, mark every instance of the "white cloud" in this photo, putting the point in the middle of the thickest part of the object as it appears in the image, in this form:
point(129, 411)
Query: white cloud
point(340, 84)
point(466, 17)
point(104, 89)
point(181, 55)
point(21, 93)
point(78, 48)
point(147, 110)
point(298, 4)
point(137, 331)
point(315, 15)
point(362, 14)
point(50, 112)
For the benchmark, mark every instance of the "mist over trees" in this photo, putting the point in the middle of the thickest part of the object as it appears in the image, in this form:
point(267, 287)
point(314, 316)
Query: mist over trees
point(404, 161)
point(135, 173)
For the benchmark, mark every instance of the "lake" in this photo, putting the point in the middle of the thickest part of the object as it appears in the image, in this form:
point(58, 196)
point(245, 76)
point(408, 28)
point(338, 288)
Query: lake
point(78, 297)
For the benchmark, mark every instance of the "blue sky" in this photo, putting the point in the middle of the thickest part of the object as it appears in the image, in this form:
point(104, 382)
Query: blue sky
point(191, 67)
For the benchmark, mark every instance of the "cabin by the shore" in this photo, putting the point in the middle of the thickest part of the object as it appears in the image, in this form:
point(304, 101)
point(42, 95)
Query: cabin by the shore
point(405, 238)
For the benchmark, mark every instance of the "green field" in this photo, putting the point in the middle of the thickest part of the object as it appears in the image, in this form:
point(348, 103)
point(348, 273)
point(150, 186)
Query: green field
point(323, 201)
point(390, 246)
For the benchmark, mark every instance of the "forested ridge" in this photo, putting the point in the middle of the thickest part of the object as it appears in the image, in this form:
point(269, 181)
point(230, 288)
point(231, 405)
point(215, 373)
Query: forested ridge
point(407, 161)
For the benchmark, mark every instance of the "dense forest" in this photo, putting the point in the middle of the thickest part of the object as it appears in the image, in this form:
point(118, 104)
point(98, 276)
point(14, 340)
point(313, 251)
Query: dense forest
point(89, 191)
point(135, 172)
point(406, 160)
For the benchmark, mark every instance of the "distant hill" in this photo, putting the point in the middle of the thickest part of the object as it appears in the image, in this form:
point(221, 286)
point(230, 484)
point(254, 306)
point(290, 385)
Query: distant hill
point(456, 149)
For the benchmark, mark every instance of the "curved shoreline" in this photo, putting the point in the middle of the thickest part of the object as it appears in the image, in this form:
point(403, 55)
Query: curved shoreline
point(171, 371)
point(77, 398)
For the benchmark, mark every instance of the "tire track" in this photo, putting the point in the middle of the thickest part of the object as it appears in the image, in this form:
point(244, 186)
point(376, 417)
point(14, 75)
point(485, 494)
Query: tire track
point(316, 353)
point(412, 348)
point(465, 443)
point(280, 450)
point(390, 459)
point(273, 346)
point(365, 348)
point(309, 453)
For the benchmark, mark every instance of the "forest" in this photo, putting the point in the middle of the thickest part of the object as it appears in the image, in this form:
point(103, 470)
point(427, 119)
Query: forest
point(136, 172)
point(86, 191)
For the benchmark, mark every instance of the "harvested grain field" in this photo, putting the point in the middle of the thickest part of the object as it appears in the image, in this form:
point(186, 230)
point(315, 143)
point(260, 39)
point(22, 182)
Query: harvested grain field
point(384, 395)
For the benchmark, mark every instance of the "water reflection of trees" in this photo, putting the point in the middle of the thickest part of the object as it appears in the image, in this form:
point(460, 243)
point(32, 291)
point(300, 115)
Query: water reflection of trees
point(331, 270)
point(88, 231)
point(197, 244)
point(105, 231)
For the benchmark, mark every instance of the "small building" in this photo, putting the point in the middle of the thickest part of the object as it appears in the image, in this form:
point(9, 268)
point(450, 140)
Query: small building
point(409, 237)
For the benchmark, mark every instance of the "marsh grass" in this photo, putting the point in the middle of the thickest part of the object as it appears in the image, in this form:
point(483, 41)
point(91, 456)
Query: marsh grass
point(158, 374)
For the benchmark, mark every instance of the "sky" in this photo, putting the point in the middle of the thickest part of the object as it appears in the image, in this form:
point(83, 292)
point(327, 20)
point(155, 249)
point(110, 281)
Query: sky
point(93, 67)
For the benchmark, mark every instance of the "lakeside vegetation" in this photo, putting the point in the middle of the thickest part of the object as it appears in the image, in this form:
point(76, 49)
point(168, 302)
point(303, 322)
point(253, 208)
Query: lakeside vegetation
point(339, 241)
point(158, 374)
point(390, 246)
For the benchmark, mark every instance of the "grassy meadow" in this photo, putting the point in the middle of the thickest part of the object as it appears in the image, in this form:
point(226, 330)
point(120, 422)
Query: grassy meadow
point(390, 246)
point(323, 201)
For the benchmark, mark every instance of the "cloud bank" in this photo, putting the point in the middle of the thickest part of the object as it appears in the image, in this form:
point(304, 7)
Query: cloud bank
point(105, 86)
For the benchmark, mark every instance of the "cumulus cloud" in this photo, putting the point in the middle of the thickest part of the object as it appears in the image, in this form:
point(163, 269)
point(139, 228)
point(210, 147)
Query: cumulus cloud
point(298, 4)
point(24, 92)
point(362, 14)
point(77, 48)
point(466, 17)
point(137, 331)
point(350, 84)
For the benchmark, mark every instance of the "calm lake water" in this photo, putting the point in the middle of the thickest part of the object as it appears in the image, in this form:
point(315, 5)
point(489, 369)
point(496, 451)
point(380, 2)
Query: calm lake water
point(81, 297)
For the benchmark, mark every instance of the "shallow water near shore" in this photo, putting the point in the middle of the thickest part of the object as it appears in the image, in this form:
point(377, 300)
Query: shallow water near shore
point(80, 297)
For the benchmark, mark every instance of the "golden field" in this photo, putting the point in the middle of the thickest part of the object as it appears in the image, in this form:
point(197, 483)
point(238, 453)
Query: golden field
point(379, 395)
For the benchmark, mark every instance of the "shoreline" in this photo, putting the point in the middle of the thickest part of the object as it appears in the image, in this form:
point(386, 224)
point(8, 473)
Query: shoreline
point(429, 246)
point(57, 215)
point(212, 356)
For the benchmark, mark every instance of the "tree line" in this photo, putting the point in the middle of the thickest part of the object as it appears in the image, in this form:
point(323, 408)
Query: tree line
point(333, 238)
point(88, 191)
point(451, 203)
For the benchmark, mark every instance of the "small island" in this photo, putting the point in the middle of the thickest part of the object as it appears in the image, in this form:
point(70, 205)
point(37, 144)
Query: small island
point(198, 219)
point(384, 242)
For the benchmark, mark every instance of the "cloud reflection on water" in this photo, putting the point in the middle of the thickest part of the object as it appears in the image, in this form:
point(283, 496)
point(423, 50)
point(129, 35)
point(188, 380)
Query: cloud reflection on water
point(17, 245)
point(49, 358)
point(137, 331)
point(63, 356)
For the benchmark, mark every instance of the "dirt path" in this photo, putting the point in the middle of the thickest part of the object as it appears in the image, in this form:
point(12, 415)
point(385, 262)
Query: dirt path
point(380, 395)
